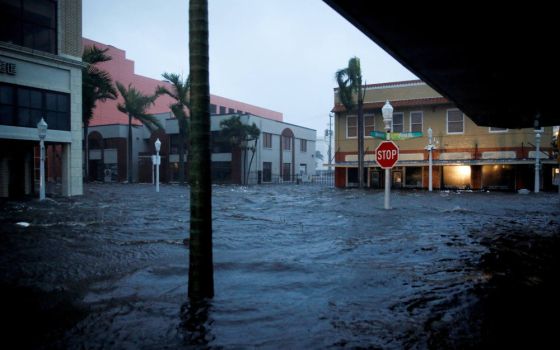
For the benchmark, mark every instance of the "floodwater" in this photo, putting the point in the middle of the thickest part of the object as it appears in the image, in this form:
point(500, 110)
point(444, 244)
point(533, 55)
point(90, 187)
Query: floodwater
point(295, 267)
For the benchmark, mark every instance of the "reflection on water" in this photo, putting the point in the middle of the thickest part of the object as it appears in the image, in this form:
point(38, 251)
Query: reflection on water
point(196, 326)
point(295, 266)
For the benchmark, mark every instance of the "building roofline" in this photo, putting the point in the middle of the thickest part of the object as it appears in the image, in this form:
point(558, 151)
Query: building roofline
point(258, 116)
point(394, 84)
point(400, 103)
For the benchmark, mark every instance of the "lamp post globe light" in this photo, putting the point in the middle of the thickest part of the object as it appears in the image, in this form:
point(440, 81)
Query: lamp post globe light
point(157, 144)
point(387, 111)
point(42, 131)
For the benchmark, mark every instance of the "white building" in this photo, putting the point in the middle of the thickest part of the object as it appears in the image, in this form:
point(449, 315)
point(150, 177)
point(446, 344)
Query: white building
point(40, 77)
point(283, 153)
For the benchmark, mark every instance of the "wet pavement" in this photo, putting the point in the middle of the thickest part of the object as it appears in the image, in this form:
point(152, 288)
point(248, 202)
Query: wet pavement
point(295, 267)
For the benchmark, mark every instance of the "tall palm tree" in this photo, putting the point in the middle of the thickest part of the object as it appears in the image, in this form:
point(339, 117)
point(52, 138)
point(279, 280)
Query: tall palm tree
point(351, 93)
point(201, 269)
point(181, 94)
point(135, 104)
point(97, 85)
point(239, 135)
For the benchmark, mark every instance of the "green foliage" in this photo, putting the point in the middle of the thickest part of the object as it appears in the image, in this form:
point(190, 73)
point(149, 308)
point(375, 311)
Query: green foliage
point(180, 92)
point(235, 132)
point(135, 105)
point(350, 88)
point(97, 84)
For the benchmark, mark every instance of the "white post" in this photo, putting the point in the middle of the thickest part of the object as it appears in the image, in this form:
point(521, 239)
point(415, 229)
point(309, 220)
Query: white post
point(157, 171)
point(153, 170)
point(388, 180)
point(42, 171)
point(537, 160)
point(387, 111)
point(158, 161)
point(42, 130)
point(430, 148)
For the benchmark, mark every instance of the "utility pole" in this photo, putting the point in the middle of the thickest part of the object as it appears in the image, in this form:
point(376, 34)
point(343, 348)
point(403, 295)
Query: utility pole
point(330, 141)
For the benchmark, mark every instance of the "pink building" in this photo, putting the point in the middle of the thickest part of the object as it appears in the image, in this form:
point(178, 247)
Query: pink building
point(122, 70)
point(107, 134)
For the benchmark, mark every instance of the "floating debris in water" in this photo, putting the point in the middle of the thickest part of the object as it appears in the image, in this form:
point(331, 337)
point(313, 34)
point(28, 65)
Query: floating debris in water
point(23, 224)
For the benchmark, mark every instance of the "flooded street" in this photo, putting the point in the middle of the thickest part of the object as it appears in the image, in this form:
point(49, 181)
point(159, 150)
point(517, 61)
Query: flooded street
point(295, 267)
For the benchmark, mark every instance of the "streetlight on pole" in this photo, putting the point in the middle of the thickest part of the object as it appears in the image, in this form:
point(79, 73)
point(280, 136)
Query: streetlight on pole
point(430, 147)
point(158, 161)
point(538, 132)
point(42, 130)
point(387, 111)
point(330, 141)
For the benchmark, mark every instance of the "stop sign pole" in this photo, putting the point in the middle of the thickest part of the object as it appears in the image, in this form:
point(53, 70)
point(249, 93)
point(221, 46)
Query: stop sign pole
point(387, 111)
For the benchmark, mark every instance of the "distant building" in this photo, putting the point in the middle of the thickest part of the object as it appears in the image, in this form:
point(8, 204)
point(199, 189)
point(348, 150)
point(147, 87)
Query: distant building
point(40, 77)
point(467, 156)
point(271, 162)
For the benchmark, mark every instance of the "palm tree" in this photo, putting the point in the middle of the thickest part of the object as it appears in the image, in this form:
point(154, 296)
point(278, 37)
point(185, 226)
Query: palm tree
point(239, 135)
point(201, 269)
point(135, 104)
point(97, 85)
point(351, 93)
point(181, 94)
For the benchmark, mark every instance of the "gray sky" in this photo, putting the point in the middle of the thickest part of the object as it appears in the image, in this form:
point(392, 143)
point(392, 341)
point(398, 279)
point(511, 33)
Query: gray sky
point(276, 54)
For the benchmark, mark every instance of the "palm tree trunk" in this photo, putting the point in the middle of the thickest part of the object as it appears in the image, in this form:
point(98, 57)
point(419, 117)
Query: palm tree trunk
point(201, 270)
point(181, 159)
point(129, 163)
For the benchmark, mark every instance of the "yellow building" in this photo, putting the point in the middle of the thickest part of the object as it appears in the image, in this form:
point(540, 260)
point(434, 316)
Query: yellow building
point(466, 156)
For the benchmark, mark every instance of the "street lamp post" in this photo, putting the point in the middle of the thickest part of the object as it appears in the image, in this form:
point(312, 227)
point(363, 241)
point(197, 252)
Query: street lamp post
point(387, 120)
point(430, 147)
point(330, 141)
point(154, 161)
point(42, 130)
point(158, 161)
point(538, 132)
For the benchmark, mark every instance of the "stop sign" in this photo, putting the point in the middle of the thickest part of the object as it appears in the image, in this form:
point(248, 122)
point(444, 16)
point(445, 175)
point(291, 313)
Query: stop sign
point(387, 154)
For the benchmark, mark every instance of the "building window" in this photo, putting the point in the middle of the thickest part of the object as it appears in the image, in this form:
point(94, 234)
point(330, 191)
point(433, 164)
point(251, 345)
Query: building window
point(267, 140)
point(416, 121)
point(413, 177)
point(231, 111)
point(222, 110)
point(303, 169)
point(213, 109)
point(369, 124)
point(398, 122)
point(286, 171)
point(29, 23)
point(286, 143)
point(351, 127)
point(267, 172)
point(497, 130)
point(303, 145)
point(455, 122)
point(7, 106)
point(20, 106)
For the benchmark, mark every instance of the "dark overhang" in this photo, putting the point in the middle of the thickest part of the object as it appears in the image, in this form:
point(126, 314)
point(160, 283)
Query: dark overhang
point(496, 63)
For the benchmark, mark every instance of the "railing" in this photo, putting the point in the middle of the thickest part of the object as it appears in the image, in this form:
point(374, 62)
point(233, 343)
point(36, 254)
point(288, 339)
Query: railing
point(324, 179)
